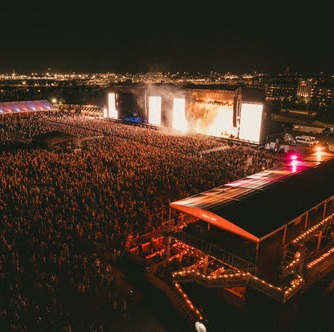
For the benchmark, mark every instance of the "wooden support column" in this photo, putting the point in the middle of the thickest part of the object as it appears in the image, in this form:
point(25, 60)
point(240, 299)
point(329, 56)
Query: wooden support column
point(206, 262)
point(169, 240)
point(319, 241)
point(284, 234)
point(169, 211)
point(325, 207)
point(306, 220)
point(257, 252)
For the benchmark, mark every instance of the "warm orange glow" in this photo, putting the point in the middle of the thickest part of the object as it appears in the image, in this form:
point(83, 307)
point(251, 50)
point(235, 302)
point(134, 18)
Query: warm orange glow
point(321, 258)
point(313, 229)
point(178, 287)
point(215, 120)
point(215, 220)
point(319, 153)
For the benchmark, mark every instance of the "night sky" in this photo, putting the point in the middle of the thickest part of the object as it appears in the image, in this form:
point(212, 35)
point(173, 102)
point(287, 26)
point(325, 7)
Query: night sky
point(167, 35)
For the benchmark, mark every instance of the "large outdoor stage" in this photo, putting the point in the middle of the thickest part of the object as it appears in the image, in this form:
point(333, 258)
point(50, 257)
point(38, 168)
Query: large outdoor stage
point(216, 110)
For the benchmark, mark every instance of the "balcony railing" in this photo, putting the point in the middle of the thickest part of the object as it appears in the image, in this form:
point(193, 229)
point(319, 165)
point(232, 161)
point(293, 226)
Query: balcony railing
point(224, 280)
point(216, 252)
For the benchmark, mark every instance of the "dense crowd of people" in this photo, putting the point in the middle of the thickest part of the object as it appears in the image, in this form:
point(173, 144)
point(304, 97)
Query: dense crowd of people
point(64, 210)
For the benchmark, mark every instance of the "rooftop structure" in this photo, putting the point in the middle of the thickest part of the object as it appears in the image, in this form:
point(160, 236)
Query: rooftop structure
point(271, 231)
point(260, 204)
point(273, 228)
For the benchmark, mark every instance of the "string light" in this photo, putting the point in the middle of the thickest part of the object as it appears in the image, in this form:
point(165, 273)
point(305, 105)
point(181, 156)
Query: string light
point(312, 229)
point(295, 284)
point(219, 277)
point(189, 303)
point(320, 259)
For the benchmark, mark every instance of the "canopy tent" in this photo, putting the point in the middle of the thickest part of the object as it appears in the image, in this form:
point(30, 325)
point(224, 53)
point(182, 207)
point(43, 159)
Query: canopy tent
point(259, 204)
point(26, 107)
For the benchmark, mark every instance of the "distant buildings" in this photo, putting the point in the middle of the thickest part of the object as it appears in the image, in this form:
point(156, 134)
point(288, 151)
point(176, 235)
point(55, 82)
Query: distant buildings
point(294, 91)
point(305, 88)
point(280, 90)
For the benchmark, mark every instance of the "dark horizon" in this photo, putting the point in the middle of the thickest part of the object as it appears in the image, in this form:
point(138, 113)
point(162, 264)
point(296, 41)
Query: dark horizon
point(168, 36)
point(287, 71)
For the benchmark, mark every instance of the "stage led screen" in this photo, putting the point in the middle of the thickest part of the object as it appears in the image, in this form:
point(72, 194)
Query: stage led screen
point(214, 120)
point(179, 115)
point(154, 110)
point(251, 122)
point(112, 111)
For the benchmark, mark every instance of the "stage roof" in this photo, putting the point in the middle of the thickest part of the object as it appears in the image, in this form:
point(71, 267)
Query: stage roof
point(259, 204)
point(220, 87)
point(16, 107)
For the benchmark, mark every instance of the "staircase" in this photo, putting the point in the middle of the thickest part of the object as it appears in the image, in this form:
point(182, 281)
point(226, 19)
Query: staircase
point(178, 297)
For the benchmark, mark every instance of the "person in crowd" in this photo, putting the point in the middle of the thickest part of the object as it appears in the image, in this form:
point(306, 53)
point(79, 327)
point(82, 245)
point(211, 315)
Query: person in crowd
point(63, 213)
